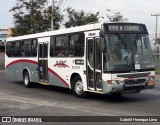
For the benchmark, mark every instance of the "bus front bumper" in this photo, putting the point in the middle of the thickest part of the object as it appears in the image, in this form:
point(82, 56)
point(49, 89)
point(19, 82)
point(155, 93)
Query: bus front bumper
point(123, 87)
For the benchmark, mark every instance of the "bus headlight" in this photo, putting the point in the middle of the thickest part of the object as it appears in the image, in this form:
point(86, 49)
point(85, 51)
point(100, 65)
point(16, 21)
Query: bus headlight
point(114, 81)
point(109, 81)
point(151, 79)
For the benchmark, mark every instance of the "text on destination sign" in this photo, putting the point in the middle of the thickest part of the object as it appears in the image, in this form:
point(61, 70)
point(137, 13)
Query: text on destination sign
point(123, 28)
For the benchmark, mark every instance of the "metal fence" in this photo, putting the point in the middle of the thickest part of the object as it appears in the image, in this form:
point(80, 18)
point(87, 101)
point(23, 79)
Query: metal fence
point(2, 61)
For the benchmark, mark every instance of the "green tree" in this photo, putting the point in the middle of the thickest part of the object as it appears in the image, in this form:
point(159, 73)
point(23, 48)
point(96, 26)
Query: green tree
point(78, 18)
point(116, 17)
point(33, 16)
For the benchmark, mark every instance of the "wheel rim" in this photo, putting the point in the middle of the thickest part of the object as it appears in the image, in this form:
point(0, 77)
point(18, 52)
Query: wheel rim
point(26, 80)
point(79, 87)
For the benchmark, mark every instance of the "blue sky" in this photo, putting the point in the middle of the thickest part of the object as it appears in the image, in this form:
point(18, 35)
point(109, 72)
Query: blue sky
point(6, 18)
point(135, 10)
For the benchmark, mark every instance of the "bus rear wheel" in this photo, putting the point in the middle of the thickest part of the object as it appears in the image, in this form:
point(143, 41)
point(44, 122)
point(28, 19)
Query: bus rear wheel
point(77, 87)
point(26, 80)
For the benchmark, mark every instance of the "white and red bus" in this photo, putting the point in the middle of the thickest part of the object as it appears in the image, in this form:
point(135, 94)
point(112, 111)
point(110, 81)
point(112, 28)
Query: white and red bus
point(100, 58)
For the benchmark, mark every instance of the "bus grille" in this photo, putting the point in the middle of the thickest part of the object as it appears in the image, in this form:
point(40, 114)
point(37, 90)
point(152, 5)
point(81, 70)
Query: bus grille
point(137, 81)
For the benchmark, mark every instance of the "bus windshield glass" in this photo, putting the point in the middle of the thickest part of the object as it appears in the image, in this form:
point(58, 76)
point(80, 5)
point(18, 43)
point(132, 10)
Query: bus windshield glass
point(127, 52)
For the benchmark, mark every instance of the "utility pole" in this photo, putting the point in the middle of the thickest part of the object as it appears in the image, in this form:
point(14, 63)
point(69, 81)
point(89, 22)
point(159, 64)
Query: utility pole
point(156, 15)
point(52, 13)
point(52, 16)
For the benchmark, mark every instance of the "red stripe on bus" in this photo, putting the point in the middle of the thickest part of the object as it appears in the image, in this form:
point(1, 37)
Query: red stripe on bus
point(22, 60)
point(34, 62)
point(58, 77)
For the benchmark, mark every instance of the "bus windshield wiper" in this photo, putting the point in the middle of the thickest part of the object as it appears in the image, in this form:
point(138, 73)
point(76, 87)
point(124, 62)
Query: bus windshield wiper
point(135, 43)
point(122, 41)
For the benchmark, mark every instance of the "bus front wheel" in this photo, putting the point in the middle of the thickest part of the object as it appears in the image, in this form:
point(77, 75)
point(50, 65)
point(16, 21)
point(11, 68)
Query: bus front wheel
point(77, 87)
point(26, 80)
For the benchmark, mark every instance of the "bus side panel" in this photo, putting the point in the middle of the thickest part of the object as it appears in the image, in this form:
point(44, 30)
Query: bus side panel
point(11, 74)
point(61, 70)
point(32, 69)
point(54, 80)
point(15, 68)
point(58, 76)
point(13, 71)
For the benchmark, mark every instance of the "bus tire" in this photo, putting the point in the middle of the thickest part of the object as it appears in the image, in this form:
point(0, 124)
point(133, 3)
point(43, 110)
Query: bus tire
point(26, 80)
point(77, 87)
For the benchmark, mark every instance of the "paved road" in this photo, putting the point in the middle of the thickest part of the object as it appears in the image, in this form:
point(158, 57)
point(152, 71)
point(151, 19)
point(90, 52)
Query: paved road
point(54, 101)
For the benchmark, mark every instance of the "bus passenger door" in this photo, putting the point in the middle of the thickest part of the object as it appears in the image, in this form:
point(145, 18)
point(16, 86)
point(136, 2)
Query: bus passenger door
point(94, 64)
point(43, 62)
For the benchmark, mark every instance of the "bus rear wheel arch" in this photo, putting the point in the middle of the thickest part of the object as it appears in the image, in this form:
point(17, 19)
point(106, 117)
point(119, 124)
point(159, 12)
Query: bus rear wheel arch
point(26, 79)
point(77, 87)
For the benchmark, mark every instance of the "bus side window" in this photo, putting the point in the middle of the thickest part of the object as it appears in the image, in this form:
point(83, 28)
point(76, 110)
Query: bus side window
point(72, 45)
point(76, 45)
point(71, 48)
point(61, 46)
point(17, 49)
point(9, 49)
point(26, 48)
point(34, 48)
point(52, 51)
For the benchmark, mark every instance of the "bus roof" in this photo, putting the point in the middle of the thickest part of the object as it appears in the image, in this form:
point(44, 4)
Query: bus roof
point(56, 32)
point(87, 27)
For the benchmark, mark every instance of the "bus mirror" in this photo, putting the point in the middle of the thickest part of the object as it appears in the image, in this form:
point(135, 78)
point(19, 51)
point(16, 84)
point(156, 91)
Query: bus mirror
point(101, 33)
point(102, 44)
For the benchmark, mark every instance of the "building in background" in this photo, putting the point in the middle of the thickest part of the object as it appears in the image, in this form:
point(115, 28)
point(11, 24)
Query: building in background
point(4, 34)
point(9, 32)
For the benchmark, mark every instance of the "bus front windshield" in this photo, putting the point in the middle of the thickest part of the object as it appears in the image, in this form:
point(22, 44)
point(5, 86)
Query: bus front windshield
point(127, 52)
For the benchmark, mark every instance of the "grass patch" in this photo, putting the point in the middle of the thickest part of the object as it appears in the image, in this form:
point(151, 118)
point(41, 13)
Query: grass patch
point(157, 70)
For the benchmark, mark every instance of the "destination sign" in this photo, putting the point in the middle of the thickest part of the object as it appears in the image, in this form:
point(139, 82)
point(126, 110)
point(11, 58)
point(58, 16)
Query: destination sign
point(122, 27)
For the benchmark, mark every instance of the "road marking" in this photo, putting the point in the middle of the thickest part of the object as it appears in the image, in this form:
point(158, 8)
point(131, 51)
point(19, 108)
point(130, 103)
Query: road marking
point(55, 105)
point(23, 101)
point(84, 110)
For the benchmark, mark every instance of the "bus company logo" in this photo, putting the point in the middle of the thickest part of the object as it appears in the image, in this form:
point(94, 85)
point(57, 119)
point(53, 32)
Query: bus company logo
point(61, 64)
point(6, 119)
